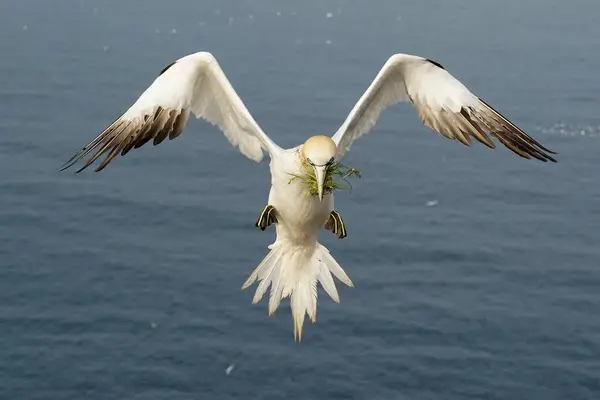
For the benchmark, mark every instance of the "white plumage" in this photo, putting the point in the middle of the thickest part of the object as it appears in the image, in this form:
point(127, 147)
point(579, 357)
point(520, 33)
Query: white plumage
point(297, 261)
point(193, 83)
point(442, 102)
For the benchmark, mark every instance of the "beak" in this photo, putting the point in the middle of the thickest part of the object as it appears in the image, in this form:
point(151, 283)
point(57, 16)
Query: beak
point(320, 172)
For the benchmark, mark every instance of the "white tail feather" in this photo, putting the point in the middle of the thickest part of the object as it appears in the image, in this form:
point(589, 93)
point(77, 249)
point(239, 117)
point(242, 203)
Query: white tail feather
point(294, 271)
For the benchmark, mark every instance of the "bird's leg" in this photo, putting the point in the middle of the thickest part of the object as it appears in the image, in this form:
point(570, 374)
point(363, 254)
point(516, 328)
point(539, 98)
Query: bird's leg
point(266, 218)
point(335, 224)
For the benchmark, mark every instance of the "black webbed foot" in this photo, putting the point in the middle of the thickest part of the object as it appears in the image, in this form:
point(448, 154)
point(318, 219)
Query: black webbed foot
point(267, 218)
point(335, 224)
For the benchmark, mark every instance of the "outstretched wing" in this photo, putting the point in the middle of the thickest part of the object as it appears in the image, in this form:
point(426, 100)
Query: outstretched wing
point(442, 102)
point(193, 83)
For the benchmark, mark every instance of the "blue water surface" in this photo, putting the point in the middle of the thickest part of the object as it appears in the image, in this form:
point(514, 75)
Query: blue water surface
point(477, 273)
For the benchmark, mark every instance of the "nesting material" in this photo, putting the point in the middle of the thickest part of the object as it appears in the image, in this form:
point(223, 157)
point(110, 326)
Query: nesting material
point(336, 178)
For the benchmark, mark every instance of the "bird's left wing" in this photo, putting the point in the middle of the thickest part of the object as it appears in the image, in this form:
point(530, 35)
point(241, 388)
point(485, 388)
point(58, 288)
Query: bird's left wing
point(193, 83)
point(442, 103)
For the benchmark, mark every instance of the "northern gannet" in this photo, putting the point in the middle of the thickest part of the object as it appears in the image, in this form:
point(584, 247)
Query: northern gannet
point(296, 261)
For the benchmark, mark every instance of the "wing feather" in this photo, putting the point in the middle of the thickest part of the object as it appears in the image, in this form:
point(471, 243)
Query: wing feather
point(442, 103)
point(195, 83)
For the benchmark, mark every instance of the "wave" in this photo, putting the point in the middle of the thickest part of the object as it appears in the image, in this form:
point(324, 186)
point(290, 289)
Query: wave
point(567, 130)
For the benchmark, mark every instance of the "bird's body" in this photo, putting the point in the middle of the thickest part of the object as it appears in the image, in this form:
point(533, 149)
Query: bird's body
point(299, 217)
point(297, 262)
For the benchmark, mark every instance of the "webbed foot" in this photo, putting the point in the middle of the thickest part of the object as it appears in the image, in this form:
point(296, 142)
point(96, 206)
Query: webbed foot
point(267, 218)
point(335, 224)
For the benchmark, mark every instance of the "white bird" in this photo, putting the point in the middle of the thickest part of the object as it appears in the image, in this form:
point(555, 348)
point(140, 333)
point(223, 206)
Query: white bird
point(297, 261)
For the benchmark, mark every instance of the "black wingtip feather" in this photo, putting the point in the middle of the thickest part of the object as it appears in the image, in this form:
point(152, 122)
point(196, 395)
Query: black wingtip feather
point(125, 135)
point(525, 142)
point(529, 138)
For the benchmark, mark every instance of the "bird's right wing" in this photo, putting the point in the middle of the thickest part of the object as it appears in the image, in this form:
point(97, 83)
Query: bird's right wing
point(193, 83)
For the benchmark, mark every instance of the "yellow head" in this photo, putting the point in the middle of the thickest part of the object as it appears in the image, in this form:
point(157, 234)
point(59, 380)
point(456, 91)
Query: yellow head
point(319, 152)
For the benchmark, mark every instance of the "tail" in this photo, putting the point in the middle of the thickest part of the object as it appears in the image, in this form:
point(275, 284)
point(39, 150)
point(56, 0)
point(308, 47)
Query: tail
point(294, 271)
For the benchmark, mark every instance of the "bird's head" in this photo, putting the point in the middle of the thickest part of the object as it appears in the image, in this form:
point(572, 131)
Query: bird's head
point(319, 152)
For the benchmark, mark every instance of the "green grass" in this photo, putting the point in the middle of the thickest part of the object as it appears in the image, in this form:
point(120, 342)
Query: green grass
point(336, 173)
